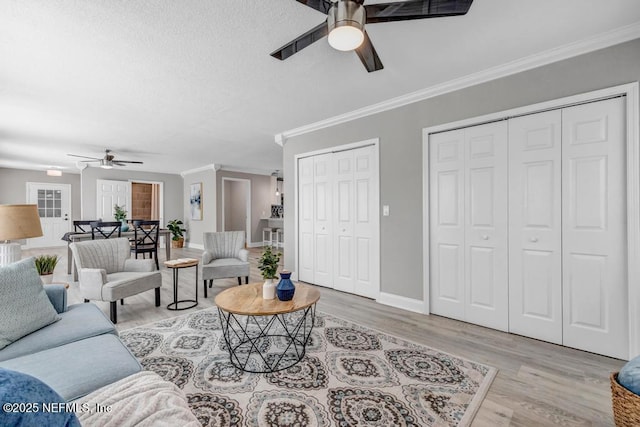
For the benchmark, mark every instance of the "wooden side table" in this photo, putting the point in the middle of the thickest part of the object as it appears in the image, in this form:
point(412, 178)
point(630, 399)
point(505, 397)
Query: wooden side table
point(248, 322)
point(176, 265)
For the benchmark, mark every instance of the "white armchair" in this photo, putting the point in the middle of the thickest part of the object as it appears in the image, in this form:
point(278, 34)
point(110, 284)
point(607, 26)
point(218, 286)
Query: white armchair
point(107, 272)
point(224, 256)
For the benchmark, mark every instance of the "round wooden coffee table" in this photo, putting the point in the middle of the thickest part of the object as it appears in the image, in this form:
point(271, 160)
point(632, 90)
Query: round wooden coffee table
point(266, 335)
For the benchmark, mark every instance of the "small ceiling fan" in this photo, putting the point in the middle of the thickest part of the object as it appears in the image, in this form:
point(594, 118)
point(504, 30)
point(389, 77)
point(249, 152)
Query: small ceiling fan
point(106, 162)
point(346, 19)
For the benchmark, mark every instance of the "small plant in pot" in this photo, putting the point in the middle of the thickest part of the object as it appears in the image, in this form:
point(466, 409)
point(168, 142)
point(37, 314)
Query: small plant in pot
point(177, 238)
point(45, 264)
point(120, 214)
point(268, 265)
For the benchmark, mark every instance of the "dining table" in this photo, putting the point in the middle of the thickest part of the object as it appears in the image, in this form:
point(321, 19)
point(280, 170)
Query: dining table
point(80, 236)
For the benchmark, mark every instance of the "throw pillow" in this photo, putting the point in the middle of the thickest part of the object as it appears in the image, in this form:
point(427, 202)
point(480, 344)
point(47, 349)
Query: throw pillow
point(27, 401)
point(24, 305)
point(629, 376)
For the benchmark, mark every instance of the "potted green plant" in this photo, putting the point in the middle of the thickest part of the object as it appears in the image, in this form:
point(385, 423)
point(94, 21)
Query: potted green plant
point(268, 265)
point(177, 238)
point(45, 264)
point(120, 214)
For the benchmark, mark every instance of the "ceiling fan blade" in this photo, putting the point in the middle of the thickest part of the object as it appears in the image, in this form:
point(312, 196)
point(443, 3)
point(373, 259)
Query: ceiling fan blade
point(368, 55)
point(416, 9)
point(301, 42)
point(319, 5)
point(84, 157)
point(128, 161)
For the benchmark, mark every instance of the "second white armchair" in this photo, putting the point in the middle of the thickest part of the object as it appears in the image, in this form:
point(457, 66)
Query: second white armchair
point(224, 256)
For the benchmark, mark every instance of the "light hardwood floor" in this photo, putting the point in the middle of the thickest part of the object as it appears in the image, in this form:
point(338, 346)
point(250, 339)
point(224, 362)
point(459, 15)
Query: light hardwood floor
point(538, 383)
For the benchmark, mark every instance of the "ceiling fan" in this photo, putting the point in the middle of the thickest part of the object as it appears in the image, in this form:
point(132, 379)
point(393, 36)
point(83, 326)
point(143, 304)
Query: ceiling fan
point(346, 19)
point(106, 162)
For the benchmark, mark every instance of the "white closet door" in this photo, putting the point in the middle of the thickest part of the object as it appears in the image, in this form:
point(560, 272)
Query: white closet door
point(343, 212)
point(366, 222)
point(486, 257)
point(446, 213)
point(110, 193)
point(594, 228)
point(323, 233)
point(305, 219)
point(535, 228)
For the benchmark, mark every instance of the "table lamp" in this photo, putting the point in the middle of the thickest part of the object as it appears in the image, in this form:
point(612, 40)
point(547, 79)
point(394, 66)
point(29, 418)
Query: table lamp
point(16, 222)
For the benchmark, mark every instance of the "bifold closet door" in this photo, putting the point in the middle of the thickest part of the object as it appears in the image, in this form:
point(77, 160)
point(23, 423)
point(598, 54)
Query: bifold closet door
point(535, 226)
point(306, 220)
point(594, 228)
point(447, 228)
point(468, 224)
point(323, 220)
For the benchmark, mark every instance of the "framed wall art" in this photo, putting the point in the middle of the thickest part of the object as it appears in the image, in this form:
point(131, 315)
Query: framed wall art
point(195, 201)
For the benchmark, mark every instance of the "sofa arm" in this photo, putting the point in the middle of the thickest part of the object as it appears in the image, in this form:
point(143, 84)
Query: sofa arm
point(243, 254)
point(207, 257)
point(58, 296)
point(139, 265)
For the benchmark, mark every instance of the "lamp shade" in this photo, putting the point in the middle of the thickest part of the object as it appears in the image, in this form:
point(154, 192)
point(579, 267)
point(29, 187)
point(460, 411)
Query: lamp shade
point(19, 222)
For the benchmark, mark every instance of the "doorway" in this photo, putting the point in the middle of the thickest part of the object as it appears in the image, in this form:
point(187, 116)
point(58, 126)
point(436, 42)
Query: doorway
point(146, 201)
point(54, 209)
point(236, 206)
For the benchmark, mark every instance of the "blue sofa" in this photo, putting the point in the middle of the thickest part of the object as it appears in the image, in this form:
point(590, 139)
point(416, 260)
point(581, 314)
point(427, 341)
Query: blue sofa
point(76, 355)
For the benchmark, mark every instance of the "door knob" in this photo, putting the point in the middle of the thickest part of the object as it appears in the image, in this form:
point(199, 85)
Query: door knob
point(533, 239)
point(344, 229)
point(485, 237)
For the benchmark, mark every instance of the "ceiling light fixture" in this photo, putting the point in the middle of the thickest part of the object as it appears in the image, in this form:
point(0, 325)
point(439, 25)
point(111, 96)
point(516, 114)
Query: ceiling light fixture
point(54, 172)
point(346, 25)
point(106, 164)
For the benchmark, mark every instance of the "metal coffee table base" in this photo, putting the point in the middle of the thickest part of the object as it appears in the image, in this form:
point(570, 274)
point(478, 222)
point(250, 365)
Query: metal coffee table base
point(251, 337)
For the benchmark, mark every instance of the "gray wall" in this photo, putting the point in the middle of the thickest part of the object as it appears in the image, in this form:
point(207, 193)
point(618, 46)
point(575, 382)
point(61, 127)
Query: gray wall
point(173, 201)
point(262, 196)
point(195, 229)
point(13, 186)
point(400, 133)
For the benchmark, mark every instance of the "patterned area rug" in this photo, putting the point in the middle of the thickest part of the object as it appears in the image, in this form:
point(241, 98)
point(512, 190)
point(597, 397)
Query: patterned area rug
point(351, 375)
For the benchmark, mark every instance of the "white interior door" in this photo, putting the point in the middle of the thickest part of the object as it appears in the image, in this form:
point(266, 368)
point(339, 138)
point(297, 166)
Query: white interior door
point(54, 209)
point(446, 206)
point(486, 223)
point(366, 222)
point(322, 227)
point(594, 228)
point(343, 211)
point(110, 193)
point(535, 228)
point(305, 220)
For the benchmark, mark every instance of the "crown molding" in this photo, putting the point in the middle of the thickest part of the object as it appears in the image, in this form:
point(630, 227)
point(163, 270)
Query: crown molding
point(212, 167)
point(245, 170)
point(590, 44)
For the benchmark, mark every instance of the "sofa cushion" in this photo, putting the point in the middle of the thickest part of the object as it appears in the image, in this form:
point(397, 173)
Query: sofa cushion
point(629, 376)
point(16, 387)
point(78, 368)
point(78, 322)
point(24, 305)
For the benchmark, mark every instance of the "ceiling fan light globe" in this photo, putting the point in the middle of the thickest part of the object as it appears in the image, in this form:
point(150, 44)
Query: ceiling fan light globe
point(346, 20)
point(346, 38)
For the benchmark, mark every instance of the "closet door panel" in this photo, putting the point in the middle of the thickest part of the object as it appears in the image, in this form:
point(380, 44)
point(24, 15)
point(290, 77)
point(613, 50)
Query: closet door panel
point(343, 212)
point(306, 219)
point(486, 271)
point(323, 218)
point(446, 212)
point(535, 229)
point(365, 205)
point(594, 232)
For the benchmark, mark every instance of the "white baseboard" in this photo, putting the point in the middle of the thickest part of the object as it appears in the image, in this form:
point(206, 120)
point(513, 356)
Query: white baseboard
point(409, 304)
point(254, 245)
point(195, 246)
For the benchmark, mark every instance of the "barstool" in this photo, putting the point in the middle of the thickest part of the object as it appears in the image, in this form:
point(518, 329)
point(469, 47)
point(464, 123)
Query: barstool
point(267, 237)
point(279, 238)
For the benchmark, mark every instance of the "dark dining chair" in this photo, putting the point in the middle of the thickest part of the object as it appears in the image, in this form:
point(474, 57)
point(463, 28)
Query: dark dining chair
point(82, 226)
point(145, 239)
point(105, 230)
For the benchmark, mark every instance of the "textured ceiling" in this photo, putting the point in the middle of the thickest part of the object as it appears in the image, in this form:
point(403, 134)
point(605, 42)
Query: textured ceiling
point(184, 84)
